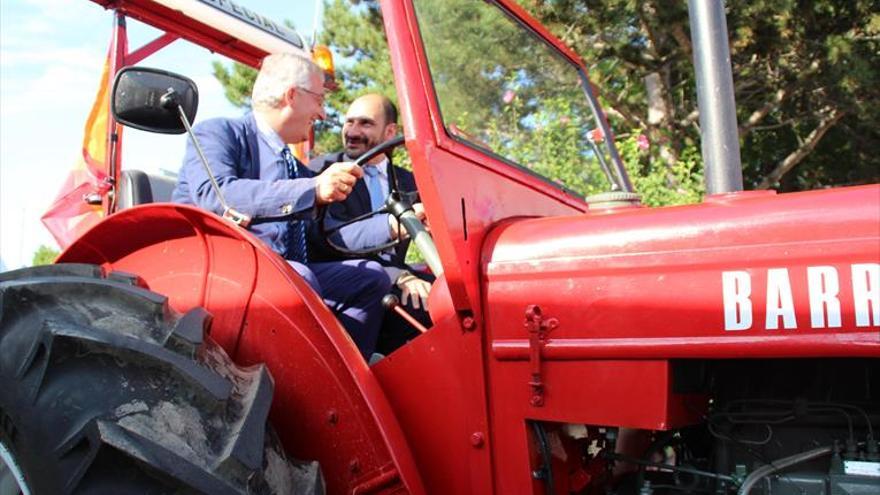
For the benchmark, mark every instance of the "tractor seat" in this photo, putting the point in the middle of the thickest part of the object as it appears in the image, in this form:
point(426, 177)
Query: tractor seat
point(138, 188)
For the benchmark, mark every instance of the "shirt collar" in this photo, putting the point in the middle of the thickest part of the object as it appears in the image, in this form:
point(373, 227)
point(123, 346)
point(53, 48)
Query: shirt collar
point(268, 135)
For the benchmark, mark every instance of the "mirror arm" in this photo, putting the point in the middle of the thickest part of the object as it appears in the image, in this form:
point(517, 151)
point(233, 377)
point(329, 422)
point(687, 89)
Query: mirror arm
point(169, 100)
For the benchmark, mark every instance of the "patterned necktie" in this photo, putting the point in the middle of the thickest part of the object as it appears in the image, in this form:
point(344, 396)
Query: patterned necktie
point(296, 228)
point(377, 199)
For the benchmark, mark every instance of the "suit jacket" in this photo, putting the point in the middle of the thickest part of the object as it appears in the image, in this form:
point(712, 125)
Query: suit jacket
point(253, 179)
point(358, 202)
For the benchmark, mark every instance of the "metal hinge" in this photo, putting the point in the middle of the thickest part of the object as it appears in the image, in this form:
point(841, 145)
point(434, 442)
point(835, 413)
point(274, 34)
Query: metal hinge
point(538, 328)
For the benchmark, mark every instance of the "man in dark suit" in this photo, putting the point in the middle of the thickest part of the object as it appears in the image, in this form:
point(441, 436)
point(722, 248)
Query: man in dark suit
point(258, 176)
point(370, 120)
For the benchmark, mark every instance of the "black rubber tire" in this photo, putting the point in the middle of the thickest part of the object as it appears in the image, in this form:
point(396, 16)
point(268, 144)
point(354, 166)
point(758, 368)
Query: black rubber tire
point(106, 390)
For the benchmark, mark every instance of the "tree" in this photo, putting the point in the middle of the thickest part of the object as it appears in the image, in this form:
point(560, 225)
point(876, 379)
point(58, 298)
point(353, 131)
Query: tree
point(44, 255)
point(237, 80)
point(805, 74)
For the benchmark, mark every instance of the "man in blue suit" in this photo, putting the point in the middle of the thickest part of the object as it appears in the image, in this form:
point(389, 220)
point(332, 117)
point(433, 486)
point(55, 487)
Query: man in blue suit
point(370, 120)
point(259, 177)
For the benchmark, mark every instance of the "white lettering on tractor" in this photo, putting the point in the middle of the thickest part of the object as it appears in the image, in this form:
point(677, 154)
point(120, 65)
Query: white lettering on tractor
point(737, 287)
point(866, 293)
point(824, 286)
point(779, 300)
point(823, 297)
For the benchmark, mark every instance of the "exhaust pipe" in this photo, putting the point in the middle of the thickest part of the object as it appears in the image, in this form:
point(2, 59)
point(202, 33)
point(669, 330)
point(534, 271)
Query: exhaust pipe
point(720, 135)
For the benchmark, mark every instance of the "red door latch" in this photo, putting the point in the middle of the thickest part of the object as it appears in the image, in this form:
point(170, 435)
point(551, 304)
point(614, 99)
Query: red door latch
point(538, 328)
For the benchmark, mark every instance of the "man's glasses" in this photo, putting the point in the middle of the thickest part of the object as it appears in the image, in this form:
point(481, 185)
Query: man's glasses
point(319, 96)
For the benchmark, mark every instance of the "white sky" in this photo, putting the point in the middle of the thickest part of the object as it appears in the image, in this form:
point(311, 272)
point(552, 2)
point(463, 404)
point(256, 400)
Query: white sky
point(51, 54)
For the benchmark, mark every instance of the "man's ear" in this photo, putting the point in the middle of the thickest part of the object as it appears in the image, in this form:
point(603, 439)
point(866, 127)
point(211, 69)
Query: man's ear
point(390, 131)
point(289, 95)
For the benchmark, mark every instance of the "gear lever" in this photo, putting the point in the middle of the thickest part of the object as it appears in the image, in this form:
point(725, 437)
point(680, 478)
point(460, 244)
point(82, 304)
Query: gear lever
point(392, 302)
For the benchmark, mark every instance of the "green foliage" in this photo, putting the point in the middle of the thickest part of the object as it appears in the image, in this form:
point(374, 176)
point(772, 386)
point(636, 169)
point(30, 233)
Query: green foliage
point(795, 64)
point(652, 179)
point(553, 146)
point(237, 81)
point(355, 33)
point(475, 54)
point(44, 255)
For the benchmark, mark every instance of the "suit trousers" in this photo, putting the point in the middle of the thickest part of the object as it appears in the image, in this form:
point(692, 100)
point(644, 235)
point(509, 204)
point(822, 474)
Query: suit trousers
point(353, 289)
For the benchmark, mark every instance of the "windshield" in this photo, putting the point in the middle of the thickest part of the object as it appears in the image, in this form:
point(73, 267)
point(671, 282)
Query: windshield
point(502, 88)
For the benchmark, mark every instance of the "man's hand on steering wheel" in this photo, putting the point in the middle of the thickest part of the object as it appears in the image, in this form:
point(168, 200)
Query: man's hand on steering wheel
point(399, 205)
point(394, 204)
point(336, 182)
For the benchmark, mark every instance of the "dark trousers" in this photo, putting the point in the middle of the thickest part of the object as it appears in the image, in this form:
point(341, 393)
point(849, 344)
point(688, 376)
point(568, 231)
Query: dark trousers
point(353, 289)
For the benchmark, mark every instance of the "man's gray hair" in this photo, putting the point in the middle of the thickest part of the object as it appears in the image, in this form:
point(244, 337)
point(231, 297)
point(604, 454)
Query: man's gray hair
point(278, 73)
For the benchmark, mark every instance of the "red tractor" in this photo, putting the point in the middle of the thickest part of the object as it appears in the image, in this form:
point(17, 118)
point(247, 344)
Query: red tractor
point(578, 345)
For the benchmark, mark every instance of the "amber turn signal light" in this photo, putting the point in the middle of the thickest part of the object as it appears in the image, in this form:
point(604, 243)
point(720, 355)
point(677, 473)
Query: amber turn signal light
point(323, 58)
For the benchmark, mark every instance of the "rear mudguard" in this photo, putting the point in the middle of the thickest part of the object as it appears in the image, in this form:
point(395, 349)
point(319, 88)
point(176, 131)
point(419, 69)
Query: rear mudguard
point(328, 405)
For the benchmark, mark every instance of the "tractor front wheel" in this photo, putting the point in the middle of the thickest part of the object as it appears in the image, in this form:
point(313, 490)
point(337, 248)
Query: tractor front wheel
point(107, 390)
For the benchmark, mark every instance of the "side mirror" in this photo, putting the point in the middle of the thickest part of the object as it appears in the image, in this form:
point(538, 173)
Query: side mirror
point(148, 99)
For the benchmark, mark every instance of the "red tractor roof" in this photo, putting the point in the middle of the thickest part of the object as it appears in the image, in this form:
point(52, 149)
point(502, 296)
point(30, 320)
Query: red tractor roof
point(221, 26)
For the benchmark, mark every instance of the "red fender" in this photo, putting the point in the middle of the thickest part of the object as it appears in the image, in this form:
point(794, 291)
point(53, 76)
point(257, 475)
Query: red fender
point(328, 405)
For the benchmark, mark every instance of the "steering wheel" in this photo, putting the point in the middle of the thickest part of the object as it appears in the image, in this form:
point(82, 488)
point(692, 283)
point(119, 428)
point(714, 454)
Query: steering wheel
point(397, 204)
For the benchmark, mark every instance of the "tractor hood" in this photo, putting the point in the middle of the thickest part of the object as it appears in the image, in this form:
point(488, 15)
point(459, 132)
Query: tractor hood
point(743, 274)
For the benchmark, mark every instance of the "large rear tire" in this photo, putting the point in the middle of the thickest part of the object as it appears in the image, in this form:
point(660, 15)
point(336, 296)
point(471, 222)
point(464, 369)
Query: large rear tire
point(106, 390)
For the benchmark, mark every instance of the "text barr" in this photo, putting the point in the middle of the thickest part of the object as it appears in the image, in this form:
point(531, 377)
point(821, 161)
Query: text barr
point(823, 297)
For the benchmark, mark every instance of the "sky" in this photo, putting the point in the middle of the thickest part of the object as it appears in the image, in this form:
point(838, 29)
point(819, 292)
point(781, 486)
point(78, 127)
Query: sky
point(51, 54)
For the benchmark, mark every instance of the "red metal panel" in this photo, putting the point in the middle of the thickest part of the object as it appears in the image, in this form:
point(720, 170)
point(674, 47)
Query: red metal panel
point(634, 288)
point(632, 394)
point(854, 344)
point(328, 406)
point(435, 385)
point(166, 19)
point(657, 273)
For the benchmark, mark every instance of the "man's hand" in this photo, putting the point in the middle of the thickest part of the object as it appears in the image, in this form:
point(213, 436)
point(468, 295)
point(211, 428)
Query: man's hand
point(336, 182)
point(414, 288)
point(398, 230)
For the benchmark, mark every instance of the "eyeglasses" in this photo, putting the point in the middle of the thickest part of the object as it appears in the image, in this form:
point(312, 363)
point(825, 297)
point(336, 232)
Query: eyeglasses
point(319, 96)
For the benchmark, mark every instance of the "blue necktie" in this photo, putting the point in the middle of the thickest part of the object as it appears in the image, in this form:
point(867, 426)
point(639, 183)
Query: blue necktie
point(377, 199)
point(296, 228)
